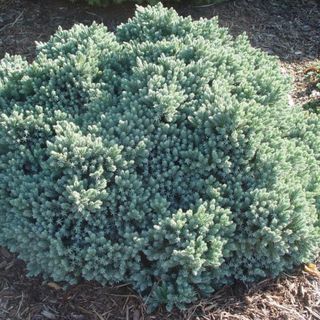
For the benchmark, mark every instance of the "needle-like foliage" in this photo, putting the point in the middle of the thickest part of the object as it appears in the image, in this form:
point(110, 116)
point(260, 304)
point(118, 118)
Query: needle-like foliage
point(165, 155)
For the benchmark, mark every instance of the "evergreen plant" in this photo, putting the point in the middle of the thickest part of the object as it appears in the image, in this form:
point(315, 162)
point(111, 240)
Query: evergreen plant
point(165, 155)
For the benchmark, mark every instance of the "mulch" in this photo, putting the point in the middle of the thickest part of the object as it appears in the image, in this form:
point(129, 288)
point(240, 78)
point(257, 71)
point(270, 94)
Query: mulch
point(289, 29)
point(289, 297)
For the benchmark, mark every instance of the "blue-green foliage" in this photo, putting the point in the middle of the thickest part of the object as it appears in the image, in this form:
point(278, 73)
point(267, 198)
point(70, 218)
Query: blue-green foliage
point(164, 155)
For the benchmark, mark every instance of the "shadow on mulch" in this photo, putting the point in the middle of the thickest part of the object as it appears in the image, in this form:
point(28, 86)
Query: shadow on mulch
point(288, 29)
point(290, 297)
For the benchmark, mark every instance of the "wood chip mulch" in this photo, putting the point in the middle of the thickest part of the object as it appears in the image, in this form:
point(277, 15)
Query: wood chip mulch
point(290, 297)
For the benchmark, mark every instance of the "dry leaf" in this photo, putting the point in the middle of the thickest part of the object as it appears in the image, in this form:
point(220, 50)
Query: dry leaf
point(54, 286)
point(312, 269)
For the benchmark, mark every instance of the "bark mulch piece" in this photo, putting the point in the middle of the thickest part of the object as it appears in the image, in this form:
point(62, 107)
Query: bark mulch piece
point(289, 29)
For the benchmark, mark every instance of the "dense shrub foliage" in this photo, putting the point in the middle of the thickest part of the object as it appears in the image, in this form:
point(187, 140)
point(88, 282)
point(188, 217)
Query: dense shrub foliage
point(164, 155)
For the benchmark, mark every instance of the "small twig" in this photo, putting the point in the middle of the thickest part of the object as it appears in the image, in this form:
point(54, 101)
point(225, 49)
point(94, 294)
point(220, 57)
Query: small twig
point(94, 14)
point(316, 315)
point(20, 304)
point(11, 24)
point(98, 315)
point(205, 5)
point(127, 313)
point(123, 295)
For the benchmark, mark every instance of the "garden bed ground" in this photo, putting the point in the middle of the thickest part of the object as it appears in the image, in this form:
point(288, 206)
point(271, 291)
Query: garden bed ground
point(288, 29)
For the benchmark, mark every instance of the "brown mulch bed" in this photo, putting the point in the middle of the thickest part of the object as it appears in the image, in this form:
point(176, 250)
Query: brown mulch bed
point(290, 297)
point(289, 29)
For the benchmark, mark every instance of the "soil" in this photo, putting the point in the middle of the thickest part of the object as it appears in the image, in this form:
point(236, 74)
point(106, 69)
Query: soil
point(289, 29)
